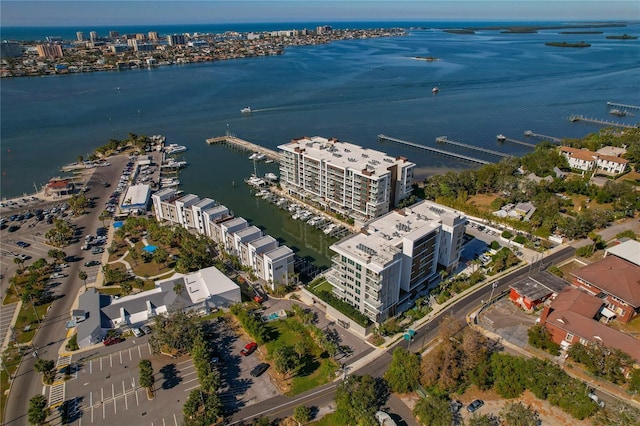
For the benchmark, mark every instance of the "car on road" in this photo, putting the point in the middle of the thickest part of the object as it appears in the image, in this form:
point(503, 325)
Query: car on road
point(137, 332)
point(22, 244)
point(249, 348)
point(112, 340)
point(475, 404)
point(92, 263)
point(259, 369)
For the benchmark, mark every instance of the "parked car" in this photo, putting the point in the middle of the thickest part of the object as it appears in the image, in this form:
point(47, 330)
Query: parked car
point(146, 329)
point(22, 256)
point(57, 275)
point(137, 332)
point(97, 250)
point(249, 348)
point(112, 340)
point(259, 369)
point(473, 407)
point(22, 244)
point(91, 263)
point(13, 228)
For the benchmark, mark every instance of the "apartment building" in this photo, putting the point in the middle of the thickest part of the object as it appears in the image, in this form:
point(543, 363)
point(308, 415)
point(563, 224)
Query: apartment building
point(344, 178)
point(268, 260)
point(583, 159)
point(395, 257)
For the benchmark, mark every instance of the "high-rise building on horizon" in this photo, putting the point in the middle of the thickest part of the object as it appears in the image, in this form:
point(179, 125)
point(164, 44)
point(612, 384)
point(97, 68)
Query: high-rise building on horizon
point(80, 36)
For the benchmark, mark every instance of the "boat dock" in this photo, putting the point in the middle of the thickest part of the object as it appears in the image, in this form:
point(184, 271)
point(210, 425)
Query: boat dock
point(575, 118)
point(246, 145)
point(617, 105)
point(384, 138)
point(530, 134)
point(444, 139)
point(502, 138)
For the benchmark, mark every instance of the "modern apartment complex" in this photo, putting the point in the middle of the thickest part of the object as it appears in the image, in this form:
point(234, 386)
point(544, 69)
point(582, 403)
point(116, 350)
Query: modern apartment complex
point(344, 178)
point(268, 260)
point(394, 258)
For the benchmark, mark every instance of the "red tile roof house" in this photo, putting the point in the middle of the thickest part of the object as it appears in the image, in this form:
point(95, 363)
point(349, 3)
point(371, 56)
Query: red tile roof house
point(573, 317)
point(615, 281)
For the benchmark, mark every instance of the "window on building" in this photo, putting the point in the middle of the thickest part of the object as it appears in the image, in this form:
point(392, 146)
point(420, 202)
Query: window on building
point(569, 337)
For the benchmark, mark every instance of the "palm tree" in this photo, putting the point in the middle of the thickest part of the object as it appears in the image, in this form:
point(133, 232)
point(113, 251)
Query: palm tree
point(177, 289)
point(83, 276)
point(20, 263)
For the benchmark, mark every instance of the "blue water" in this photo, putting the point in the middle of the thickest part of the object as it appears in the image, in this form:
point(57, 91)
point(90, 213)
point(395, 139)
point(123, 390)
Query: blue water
point(353, 90)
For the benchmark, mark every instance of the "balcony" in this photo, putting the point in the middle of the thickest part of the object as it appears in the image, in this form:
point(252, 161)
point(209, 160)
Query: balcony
point(375, 304)
point(334, 278)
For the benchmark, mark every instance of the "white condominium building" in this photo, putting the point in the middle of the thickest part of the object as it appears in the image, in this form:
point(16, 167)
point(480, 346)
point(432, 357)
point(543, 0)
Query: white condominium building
point(268, 260)
point(344, 178)
point(393, 259)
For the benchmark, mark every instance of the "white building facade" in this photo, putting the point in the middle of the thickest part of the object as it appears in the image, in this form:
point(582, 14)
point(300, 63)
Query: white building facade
point(395, 257)
point(344, 178)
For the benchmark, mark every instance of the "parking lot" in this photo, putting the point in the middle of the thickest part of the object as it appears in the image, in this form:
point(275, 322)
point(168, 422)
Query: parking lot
point(105, 390)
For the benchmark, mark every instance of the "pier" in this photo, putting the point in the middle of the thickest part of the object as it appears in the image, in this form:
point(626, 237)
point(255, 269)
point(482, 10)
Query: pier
point(502, 138)
point(246, 145)
point(575, 118)
point(443, 139)
point(617, 105)
point(530, 134)
point(383, 138)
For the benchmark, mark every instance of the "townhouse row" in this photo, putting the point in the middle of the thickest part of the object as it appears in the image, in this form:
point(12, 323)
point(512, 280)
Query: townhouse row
point(268, 260)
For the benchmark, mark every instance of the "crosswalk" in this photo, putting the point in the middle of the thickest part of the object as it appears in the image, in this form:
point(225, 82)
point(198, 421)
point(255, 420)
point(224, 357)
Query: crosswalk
point(57, 391)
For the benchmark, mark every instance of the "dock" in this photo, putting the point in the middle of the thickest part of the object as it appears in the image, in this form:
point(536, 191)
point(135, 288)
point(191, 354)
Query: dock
point(245, 145)
point(445, 140)
point(506, 139)
point(625, 106)
point(575, 118)
point(384, 138)
point(530, 134)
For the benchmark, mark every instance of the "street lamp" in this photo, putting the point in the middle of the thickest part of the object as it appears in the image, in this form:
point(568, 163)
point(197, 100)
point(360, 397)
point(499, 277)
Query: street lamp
point(493, 287)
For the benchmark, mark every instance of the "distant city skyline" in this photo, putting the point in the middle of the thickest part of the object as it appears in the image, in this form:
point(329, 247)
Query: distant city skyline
point(154, 12)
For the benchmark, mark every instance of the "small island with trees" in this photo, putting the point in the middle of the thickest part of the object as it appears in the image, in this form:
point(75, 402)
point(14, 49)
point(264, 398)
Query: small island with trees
point(621, 37)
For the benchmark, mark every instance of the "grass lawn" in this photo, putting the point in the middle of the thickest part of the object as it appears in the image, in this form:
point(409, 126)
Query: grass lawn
point(323, 285)
point(326, 420)
point(316, 370)
point(482, 201)
point(10, 361)
point(27, 317)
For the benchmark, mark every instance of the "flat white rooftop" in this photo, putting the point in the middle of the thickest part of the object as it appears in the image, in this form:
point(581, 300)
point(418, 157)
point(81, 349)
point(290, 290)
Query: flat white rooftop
point(137, 196)
point(345, 155)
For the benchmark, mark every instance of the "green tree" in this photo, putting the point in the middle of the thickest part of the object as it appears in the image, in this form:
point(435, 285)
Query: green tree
point(518, 414)
point(38, 411)
point(433, 410)
point(202, 409)
point(484, 420)
point(357, 400)
point(302, 414)
point(83, 276)
point(403, 374)
point(147, 379)
point(47, 368)
point(285, 359)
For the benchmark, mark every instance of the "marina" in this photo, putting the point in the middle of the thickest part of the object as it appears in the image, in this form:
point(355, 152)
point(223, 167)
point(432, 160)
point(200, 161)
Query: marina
point(384, 138)
point(445, 140)
point(575, 118)
point(245, 145)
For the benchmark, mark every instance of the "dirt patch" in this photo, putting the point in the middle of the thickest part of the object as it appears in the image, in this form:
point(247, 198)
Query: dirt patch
point(482, 201)
point(493, 403)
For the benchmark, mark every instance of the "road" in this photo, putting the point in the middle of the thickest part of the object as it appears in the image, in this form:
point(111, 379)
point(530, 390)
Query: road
point(52, 333)
point(282, 406)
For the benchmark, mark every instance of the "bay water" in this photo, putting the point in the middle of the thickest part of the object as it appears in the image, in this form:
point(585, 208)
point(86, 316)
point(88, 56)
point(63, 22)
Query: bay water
point(489, 82)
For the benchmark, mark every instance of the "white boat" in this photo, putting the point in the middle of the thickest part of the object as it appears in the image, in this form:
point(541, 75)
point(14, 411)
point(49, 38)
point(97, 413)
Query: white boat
point(260, 157)
point(329, 228)
point(271, 176)
point(246, 110)
point(618, 112)
point(174, 148)
point(253, 156)
point(501, 137)
point(435, 90)
point(173, 164)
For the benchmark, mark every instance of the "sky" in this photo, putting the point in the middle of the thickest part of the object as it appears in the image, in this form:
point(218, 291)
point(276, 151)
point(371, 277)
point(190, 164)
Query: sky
point(138, 12)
